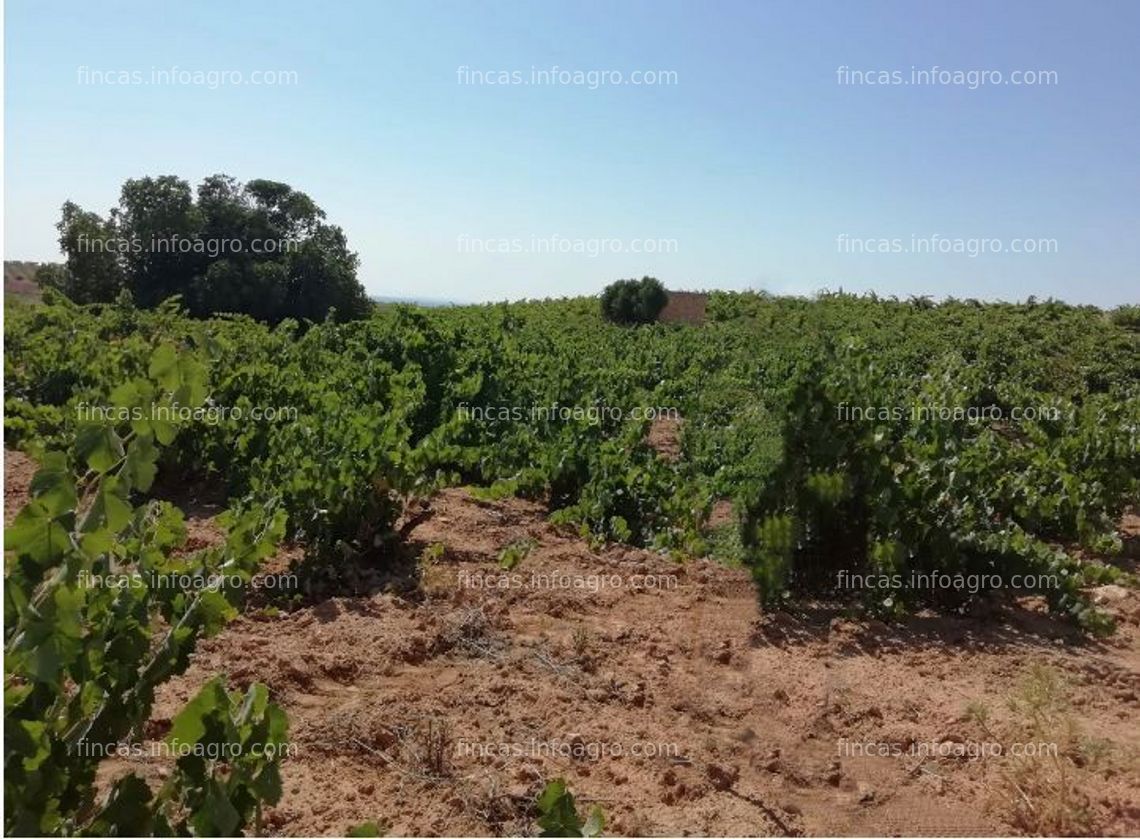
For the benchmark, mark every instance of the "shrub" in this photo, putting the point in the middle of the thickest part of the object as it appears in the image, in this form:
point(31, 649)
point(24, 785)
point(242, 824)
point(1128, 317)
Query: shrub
point(634, 301)
point(1126, 317)
point(892, 492)
point(102, 605)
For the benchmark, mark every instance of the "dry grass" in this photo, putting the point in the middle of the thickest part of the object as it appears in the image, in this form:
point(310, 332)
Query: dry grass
point(1043, 792)
point(425, 747)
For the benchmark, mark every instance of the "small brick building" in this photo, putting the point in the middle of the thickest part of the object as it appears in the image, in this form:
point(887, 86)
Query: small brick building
point(684, 307)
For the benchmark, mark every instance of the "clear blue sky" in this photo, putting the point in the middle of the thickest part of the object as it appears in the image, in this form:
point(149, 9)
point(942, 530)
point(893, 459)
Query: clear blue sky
point(746, 171)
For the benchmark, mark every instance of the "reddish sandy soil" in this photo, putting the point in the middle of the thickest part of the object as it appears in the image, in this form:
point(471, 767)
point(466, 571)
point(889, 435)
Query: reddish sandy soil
point(665, 437)
point(18, 472)
point(691, 712)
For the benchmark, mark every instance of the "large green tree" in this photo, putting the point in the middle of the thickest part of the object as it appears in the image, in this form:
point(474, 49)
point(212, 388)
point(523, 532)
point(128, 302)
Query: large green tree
point(93, 272)
point(261, 248)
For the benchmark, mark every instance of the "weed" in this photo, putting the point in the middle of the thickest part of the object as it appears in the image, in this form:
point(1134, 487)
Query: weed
point(1042, 788)
point(581, 643)
point(424, 748)
point(979, 713)
point(559, 814)
point(514, 553)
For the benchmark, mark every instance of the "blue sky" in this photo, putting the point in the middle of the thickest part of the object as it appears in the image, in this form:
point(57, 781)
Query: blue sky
point(745, 172)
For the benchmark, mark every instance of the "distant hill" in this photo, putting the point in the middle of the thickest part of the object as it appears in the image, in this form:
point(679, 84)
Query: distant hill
point(20, 280)
point(20, 283)
point(417, 301)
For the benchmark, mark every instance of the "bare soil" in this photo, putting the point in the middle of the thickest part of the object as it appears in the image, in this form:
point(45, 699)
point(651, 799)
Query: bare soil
point(664, 437)
point(19, 469)
point(442, 693)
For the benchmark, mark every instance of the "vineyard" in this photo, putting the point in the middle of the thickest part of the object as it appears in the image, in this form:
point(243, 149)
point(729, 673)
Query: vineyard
point(819, 457)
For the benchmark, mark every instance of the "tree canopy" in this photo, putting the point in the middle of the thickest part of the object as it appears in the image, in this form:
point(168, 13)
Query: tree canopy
point(634, 301)
point(261, 248)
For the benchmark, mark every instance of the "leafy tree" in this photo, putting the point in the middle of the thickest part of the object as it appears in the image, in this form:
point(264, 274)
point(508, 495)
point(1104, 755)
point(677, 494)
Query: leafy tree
point(93, 272)
point(155, 217)
point(634, 301)
point(260, 248)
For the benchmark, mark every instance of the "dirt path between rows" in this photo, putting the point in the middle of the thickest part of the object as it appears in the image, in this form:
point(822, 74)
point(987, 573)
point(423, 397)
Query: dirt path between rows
point(440, 705)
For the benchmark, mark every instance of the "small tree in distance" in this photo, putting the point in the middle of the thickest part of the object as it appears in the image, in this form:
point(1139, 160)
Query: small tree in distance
point(629, 302)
